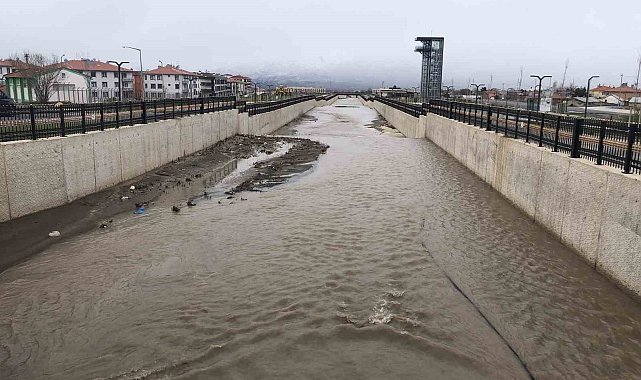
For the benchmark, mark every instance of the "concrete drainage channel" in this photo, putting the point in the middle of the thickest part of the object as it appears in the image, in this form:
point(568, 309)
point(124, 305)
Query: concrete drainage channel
point(596, 210)
point(73, 184)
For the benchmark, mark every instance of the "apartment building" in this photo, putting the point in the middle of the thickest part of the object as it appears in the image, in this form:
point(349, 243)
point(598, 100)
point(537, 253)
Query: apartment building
point(241, 86)
point(172, 82)
point(214, 85)
point(103, 76)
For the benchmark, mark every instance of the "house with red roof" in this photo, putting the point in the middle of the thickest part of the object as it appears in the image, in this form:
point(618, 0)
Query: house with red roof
point(65, 85)
point(104, 82)
point(623, 92)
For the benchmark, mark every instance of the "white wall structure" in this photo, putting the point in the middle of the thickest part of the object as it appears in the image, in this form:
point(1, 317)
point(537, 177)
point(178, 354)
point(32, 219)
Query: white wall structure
point(596, 210)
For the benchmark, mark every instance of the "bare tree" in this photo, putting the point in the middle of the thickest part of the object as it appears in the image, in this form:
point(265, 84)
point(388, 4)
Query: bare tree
point(41, 72)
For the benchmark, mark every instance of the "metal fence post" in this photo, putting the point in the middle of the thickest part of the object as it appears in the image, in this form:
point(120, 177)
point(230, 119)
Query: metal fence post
point(202, 105)
point(62, 121)
point(117, 114)
point(102, 116)
point(576, 138)
point(541, 129)
point(507, 119)
point(32, 116)
point(83, 120)
point(488, 127)
point(527, 128)
point(451, 109)
point(516, 124)
point(627, 165)
point(599, 155)
point(143, 107)
point(155, 109)
point(131, 113)
point(556, 134)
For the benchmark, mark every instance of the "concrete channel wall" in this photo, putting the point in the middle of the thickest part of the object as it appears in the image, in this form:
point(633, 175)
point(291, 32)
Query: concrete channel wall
point(41, 174)
point(596, 210)
point(409, 126)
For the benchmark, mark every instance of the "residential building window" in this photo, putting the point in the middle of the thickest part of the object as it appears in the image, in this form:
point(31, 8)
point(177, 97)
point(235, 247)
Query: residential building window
point(177, 86)
point(159, 77)
point(153, 86)
point(124, 75)
point(115, 74)
point(63, 75)
point(176, 78)
point(93, 74)
point(125, 85)
point(105, 94)
point(116, 85)
point(104, 84)
point(145, 77)
point(103, 74)
point(94, 84)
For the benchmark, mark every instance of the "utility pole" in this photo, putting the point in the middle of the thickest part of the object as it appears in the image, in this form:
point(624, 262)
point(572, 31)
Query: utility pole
point(587, 96)
point(567, 63)
point(540, 78)
point(142, 78)
point(119, 64)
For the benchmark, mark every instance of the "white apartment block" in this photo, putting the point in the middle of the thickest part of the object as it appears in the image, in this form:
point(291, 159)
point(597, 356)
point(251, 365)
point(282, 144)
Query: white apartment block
point(172, 82)
point(103, 78)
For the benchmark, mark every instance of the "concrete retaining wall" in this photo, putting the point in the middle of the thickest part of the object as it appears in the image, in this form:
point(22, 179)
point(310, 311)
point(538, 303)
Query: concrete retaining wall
point(594, 209)
point(408, 125)
point(36, 175)
point(269, 122)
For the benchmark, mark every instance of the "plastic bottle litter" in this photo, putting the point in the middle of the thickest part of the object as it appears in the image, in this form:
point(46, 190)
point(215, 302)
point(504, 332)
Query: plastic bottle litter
point(124, 198)
point(132, 187)
point(54, 233)
point(139, 210)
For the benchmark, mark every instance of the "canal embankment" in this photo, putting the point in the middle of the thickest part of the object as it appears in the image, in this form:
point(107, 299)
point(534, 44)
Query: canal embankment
point(596, 210)
point(36, 175)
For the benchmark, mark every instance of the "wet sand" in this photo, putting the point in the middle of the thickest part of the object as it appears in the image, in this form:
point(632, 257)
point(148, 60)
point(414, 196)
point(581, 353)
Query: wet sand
point(23, 237)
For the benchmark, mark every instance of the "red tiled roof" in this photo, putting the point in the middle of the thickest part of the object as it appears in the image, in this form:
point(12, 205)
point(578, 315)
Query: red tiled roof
point(89, 65)
point(13, 63)
point(620, 90)
point(169, 70)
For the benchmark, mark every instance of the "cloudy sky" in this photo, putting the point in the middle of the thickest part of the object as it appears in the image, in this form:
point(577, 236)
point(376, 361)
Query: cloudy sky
point(365, 42)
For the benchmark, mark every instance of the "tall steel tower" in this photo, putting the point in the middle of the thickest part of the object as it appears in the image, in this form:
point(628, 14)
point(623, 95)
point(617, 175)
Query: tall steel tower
point(432, 70)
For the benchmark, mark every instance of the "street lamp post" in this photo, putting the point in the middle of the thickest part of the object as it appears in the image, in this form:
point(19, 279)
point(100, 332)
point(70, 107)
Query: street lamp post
point(119, 64)
point(476, 93)
point(448, 89)
point(142, 78)
point(540, 78)
point(587, 96)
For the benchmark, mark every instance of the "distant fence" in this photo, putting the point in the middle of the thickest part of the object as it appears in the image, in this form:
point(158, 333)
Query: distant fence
point(606, 142)
point(35, 121)
point(613, 143)
point(258, 108)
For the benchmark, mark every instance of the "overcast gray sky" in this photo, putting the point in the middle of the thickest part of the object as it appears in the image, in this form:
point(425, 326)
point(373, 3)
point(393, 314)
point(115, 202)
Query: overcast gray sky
point(363, 41)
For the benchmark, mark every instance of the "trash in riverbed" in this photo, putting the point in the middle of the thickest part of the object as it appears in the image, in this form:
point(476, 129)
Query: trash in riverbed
point(139, 210)
point(124, 198)
point(54, 233)
point(132, 188)
point(175, 209)
point(191, 203)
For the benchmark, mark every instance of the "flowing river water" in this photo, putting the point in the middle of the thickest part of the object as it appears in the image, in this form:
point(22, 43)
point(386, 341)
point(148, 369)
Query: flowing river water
point(387, 260)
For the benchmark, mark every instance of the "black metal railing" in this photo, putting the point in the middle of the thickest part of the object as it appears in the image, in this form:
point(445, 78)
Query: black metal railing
point(31, 122)
point(258, 108)
point(412, 109)
point(606, 142)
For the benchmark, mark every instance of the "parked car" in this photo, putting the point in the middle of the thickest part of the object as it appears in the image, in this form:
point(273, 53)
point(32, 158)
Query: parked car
point(7, 105)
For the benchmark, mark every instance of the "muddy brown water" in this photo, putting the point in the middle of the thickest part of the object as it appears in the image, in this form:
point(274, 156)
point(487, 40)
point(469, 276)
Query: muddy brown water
point(387, 260)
